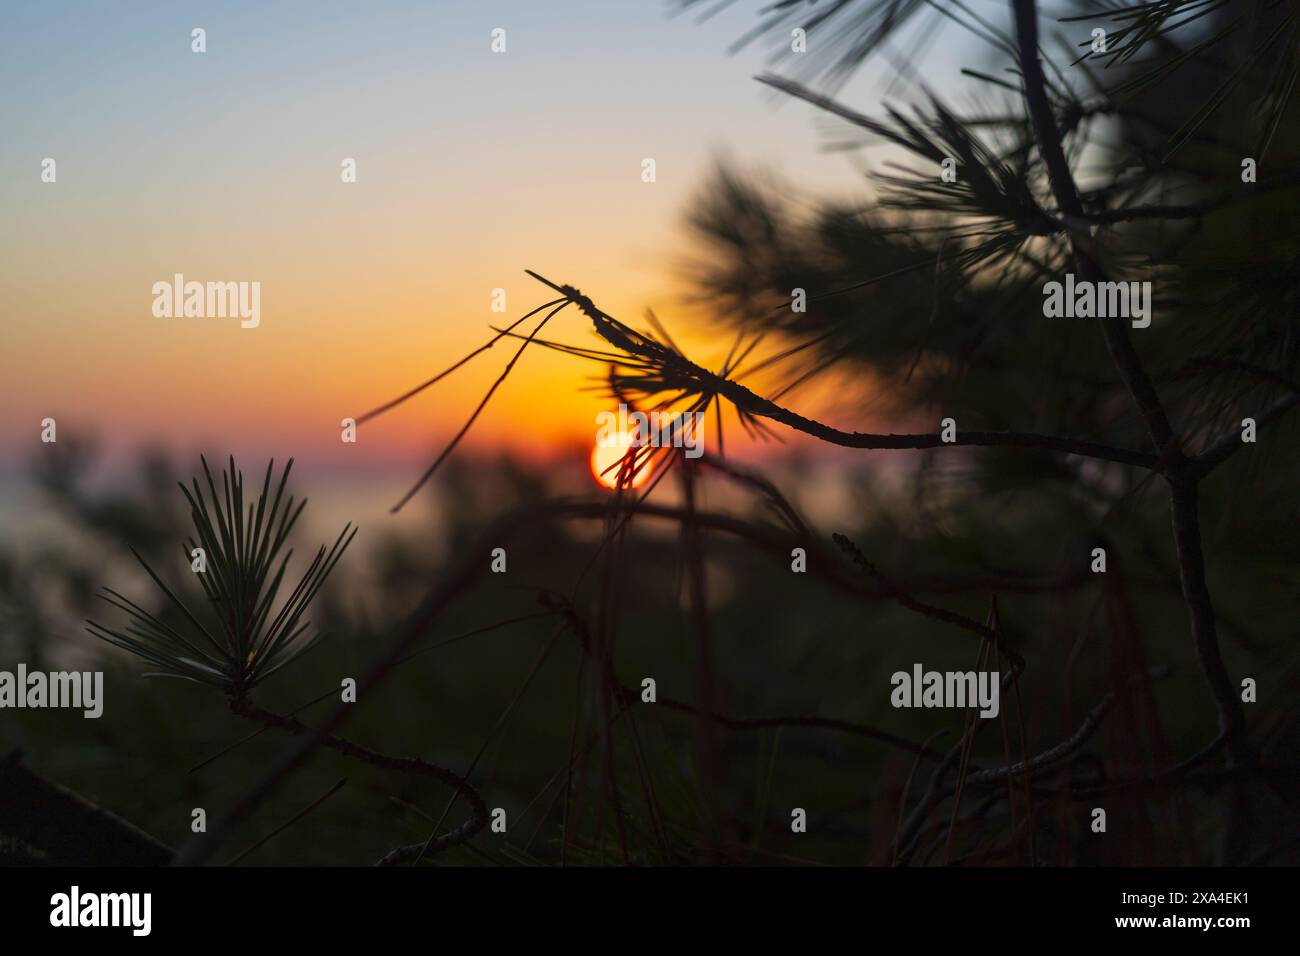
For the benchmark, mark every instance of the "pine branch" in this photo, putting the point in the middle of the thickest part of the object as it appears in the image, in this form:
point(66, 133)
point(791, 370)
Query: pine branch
point(675, 372)
point(1182, 476)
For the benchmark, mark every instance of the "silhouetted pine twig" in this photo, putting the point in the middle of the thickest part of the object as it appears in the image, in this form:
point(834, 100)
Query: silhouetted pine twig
point(244, 563)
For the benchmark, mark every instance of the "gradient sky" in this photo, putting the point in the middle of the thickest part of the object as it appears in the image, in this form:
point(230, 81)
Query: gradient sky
point(472, 166)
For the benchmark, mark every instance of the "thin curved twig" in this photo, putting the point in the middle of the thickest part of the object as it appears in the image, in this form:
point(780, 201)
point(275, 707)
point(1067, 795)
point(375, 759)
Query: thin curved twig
point(564, 607)
point(244, 707)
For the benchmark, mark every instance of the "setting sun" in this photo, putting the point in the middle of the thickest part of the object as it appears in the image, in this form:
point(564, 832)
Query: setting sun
point(606, 457)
